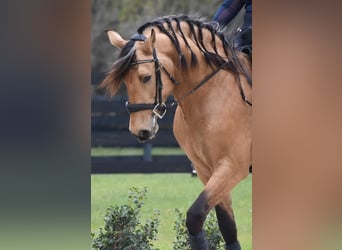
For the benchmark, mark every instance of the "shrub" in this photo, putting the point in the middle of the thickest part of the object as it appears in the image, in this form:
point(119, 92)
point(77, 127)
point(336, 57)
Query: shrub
point(213, 233)
point(123, 229)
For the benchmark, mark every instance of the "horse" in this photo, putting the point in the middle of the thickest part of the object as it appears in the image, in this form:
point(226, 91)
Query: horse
point(210, 81)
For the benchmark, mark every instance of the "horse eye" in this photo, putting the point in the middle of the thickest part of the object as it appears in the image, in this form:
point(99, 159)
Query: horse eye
point(146, 79)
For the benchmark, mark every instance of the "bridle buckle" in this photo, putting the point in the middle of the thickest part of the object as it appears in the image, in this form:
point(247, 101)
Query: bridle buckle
point(159, 110)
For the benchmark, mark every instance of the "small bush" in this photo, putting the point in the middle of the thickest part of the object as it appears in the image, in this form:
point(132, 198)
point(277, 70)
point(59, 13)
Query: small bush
point(123, 229)
point(181, 242)
point(213, 233)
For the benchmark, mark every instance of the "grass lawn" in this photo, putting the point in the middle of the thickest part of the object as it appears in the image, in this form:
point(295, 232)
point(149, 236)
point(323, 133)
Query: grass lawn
point(99, 151)
point(165, 193)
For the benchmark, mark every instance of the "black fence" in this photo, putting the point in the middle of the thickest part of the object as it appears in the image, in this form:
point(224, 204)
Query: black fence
point(109, 128)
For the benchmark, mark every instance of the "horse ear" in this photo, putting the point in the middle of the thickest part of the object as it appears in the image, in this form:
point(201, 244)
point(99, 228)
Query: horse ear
point(150, 42)
point(115, 39)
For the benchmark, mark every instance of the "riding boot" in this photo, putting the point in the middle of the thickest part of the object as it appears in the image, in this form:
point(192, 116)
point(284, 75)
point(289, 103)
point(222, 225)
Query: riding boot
point(199, 241)
point(233, 246)
point(243, 40)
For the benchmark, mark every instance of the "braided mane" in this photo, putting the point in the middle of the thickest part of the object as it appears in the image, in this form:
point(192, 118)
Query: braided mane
point(171, 26)
point(197, 37)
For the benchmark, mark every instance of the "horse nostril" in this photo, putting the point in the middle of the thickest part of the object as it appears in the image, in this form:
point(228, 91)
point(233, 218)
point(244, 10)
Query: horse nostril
point(144, 135)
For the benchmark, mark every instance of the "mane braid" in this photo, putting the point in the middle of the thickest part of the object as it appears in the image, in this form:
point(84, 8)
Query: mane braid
point(210, 58)
point(193, 33)
point(114, 78)
point(197, 37)
point(160, 26)
point(213, 57)
point(143, 27)
point(175, 43)
point(206, 52)
point(213, 39)
point(194, 61)
point(225, 44)
point(169, 24)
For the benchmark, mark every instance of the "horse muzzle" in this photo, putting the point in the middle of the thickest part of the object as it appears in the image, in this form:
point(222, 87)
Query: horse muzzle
point(144, 135)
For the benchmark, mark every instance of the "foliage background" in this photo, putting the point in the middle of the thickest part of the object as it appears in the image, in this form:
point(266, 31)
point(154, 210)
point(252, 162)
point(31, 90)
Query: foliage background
point(125, 16)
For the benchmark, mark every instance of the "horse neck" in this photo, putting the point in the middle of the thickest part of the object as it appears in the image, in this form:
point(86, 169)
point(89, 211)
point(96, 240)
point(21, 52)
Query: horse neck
point(189, 79)
point(203, 101)
point(190, 76)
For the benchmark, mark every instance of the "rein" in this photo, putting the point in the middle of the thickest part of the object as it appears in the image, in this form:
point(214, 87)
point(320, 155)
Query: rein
point(159, 108)
point(201, 83)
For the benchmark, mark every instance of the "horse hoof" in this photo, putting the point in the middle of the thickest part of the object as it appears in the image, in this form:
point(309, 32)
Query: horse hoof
point(199, 241)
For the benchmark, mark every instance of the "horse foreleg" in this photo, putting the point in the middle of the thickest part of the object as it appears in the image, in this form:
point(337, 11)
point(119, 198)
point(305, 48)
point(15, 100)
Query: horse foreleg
point(225, 219)
point(216, 190)
point(195, 218)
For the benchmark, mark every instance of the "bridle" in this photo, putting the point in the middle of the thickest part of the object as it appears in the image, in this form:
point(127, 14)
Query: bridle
point(159, 108)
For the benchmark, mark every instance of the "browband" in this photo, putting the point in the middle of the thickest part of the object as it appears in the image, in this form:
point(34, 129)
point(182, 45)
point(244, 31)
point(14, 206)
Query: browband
point(138, 37)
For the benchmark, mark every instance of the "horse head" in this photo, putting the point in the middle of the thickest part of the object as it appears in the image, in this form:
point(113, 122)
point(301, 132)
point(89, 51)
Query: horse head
point(146, 70)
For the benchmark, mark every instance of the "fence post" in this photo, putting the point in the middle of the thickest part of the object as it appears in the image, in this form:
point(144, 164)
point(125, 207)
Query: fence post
point(148, 152)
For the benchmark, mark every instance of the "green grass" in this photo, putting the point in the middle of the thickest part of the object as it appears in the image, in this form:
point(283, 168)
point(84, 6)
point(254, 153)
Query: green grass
point(165, 193)
point(99, 151)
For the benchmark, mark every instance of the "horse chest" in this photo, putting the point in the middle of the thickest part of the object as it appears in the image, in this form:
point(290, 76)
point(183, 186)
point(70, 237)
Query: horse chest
point(194, 141)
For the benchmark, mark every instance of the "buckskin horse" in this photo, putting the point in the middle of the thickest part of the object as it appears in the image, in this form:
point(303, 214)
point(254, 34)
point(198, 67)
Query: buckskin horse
point(211, 83)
